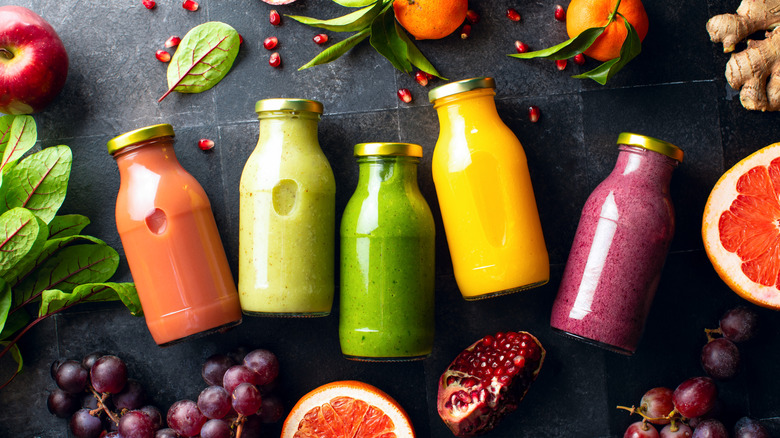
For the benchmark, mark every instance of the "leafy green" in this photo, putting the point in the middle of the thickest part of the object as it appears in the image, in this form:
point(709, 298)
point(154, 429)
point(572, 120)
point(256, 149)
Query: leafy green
point(375, 20)
point(204, 56)
point(630, 49)
point(45, 269)
point(566, 49)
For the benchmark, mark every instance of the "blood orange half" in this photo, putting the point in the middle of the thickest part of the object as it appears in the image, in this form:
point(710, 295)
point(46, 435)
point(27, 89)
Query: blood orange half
point(741, 227)
point(347, 409)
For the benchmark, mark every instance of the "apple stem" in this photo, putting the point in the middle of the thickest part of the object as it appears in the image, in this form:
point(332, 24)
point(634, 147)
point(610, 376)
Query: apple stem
point(7, 54)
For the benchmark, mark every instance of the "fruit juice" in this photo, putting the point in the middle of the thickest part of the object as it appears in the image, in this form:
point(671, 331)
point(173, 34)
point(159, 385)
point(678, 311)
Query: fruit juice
point(172, 245)
point(287, 225)
point(618, 252)
point(486, 198)
point(387, 264)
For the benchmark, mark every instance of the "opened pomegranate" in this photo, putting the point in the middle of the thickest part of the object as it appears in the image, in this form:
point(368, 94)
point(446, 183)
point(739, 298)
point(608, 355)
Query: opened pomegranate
point(487, 381)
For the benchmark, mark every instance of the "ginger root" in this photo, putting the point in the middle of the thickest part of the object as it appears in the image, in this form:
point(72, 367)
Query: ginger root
point(756, 70)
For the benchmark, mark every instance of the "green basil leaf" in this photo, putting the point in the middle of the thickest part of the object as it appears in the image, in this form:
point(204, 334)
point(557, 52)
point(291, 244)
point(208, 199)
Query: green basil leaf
point(54, 300)
point(566, 49)
point(21, 235)
point(203, 58)
point(33, 260)
point(386, 41)
point(333, 52)
point(21, 138)
point(39, 182)
point(354, 3)
point(67, 225)
point(68, 268)
point(5, 303)
point(352, 22)
point(5, 131)
point(632, 47)
point(415, 56)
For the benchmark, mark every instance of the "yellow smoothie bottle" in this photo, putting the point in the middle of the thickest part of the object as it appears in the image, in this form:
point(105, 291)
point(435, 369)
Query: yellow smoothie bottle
point(485, 194)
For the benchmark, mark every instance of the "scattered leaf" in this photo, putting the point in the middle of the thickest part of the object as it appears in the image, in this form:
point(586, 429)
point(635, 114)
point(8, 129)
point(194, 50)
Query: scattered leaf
point(352, 22)
point(566, 49)
point(333, 52)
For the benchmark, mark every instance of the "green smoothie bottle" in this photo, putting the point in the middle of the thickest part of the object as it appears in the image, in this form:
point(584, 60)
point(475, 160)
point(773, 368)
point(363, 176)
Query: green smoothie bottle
point(287, 217)
point(387, 259)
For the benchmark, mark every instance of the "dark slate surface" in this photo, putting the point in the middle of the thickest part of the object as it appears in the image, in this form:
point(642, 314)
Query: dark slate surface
point(675, 91)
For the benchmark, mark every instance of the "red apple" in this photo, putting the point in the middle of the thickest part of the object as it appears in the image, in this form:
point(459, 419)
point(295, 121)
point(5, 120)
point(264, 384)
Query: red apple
point(33, 61)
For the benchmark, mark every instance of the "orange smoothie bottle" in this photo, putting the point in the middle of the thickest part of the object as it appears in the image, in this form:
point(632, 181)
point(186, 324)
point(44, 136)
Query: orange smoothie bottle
point(485, 194)
point(171, 240)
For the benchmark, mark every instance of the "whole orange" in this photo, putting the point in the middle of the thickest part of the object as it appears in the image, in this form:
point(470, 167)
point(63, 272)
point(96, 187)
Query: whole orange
point(584, 14)
point(430, 19)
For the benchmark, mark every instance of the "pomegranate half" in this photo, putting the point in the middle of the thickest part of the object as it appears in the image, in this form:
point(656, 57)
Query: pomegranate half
point(487, 380)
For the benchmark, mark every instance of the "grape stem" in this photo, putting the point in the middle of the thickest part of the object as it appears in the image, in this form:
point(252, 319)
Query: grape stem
point(101, 398)
point(633, 410)
point(710, 332)
point(240, 428)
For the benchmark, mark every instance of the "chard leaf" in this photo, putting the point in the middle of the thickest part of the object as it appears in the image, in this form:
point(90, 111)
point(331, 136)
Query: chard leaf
point(354, 3)
point(68, 268)
point(333, 52)
point(39, 182)
point(21, 138)
point(566, 49)
point(415, 56)
point(386, 41)
point(16, 320)
point(352, 22)
point(67, 225)
point(203, 58)
point(54, 300)
point(5, 131)
point(23, 235)
point(16, 354)
point(632, 47)
point(5, 303)
point(20, 271)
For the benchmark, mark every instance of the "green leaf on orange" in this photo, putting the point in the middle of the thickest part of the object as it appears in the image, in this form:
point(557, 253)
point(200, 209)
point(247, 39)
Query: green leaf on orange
point(631, 47)
point(352, 22)
point(385, 40)
point(335, 51)
point(566, 49)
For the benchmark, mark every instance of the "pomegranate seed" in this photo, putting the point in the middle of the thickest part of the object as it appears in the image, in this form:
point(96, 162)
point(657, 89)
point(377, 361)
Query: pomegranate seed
point(512, 14)
point(172, 42)
point(560, 13)
point(275, 60)
point(561, 64)
point(163, 56)
point(521, 47)
point(472, 16)
point(275, 18)
point(405, 95)
point(579, 59)
point(421, 78)
point(465, 32)
point(240, 39)
point(533, 115)
point(190, 5)
point(428, 75)
point(205, 144)
point(270, 43)
point(150, 4)
point(320, 38)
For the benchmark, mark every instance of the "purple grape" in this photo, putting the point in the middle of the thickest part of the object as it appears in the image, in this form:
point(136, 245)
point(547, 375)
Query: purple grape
point(90, 359)
point(246, 399)
point(63, 404)
point(167, 433)
point(109, 374)
point(739, 324)
point(132, 396)
point(657, 403)
point(695, 397)
point(749, 428)
point(84, 425)
point(185, 418)
point(720, 358)
point(264, 363)
point(679, 430)
point(136, 424)
point(215, 428)
point(114, 434)
point(710, 428)
point(271, 410)
point(214, 402)
point(214, 368)
point(236, 375)
point(71, 377)
point(54, 367)
point(154, 414)
point(641, 429)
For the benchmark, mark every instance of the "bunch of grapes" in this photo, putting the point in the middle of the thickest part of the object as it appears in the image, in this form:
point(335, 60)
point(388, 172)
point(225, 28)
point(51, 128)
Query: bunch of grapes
point(100, 400)
point(720, 356)
point(236, 403)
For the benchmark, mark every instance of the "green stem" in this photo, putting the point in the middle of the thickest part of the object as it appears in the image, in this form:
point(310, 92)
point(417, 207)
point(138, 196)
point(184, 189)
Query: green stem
point(614, 13)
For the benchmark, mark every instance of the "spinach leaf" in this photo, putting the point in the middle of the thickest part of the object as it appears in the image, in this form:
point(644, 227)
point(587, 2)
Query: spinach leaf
point(5, 131)
point(22, 234)
point(632, 47)
point(351, 22)
point(21, 138)
point(67, 225)
point(333, 52)
point(203, 58)
point(21, 270)
point(39, 182)
point(54, 300)
point(5, 302)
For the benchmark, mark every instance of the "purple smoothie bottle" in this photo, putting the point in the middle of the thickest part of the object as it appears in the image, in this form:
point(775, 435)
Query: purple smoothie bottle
point(619, 249)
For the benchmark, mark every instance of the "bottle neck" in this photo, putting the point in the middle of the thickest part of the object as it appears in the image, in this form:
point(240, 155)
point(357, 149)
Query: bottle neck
point(157, 154)
point(652, 167)
point(387, 171)
point(479, 102)
point(290, 128)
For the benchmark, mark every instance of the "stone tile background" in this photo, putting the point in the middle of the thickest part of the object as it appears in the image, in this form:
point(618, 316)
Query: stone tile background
point(675, 91)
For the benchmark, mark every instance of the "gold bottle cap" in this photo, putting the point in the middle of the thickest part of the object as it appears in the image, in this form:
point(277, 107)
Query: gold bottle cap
point(289, 105)
point(139, 135)
point(460, 87)
point(651, 144)
point(392, 149)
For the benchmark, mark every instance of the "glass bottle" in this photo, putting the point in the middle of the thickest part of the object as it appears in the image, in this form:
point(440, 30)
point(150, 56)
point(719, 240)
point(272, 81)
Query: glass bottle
point(387, 259)
point(287, 218)
point(171, 240)
point(620, 247)
point(485, 194)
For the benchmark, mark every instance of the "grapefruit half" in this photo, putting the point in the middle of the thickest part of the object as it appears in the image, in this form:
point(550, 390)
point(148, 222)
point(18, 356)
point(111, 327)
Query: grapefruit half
point(741, 227)
point(347, 409)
